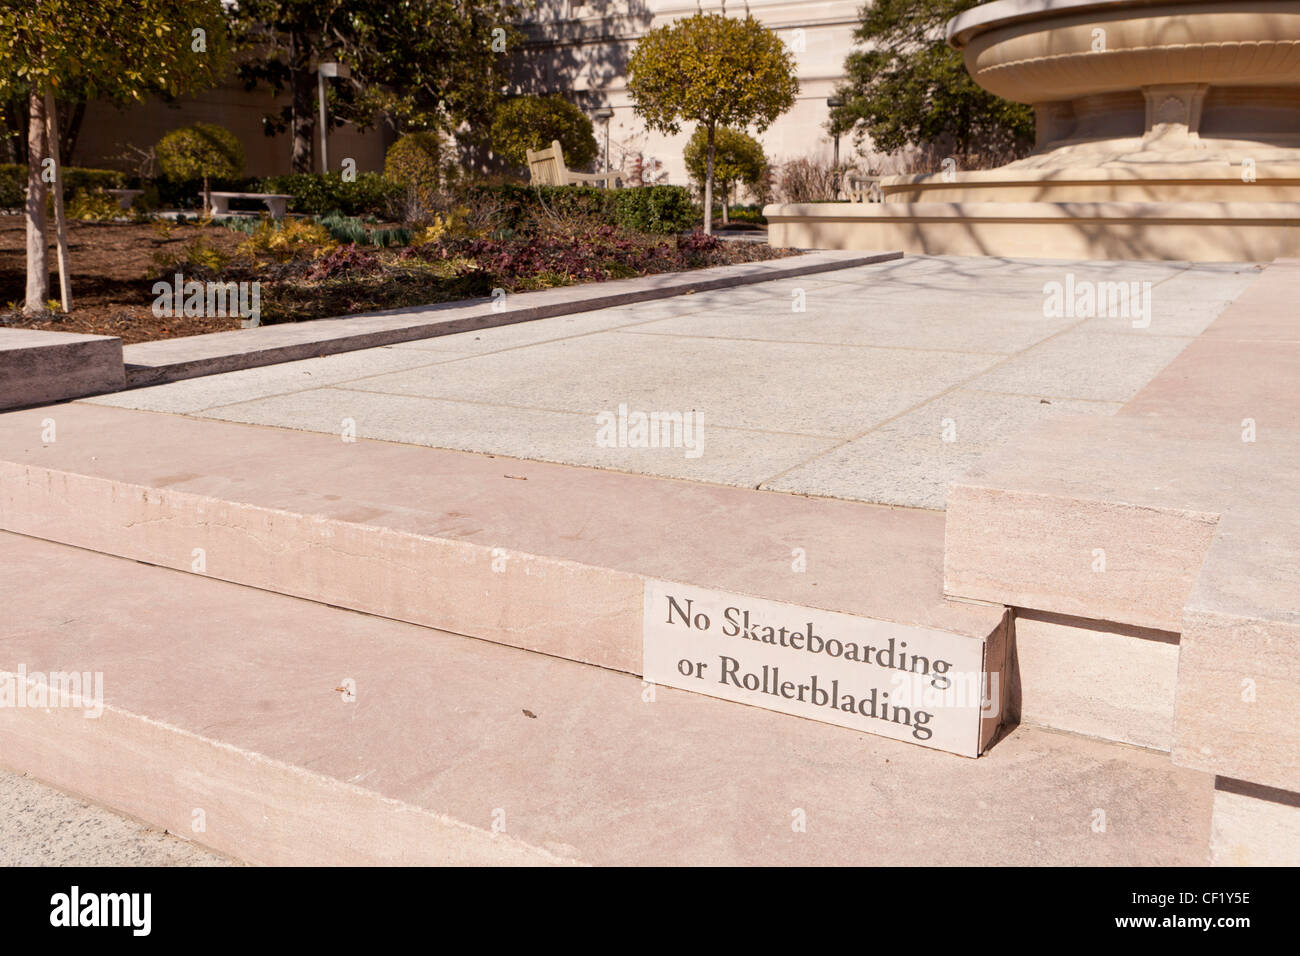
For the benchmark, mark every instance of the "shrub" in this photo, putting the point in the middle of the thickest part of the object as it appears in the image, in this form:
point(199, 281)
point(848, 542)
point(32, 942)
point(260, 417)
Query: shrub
point(202, 151)
point(415, 164)
point(343, 261)
point(286, 239)
point(76, 179)
point(317, 194)
point(532, 122)
point(655, 209)
point(652, 209)
point(808, 180)
point(93, 206)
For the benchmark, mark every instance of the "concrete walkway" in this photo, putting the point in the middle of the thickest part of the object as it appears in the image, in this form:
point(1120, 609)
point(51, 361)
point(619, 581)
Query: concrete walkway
point(878, 383)
point(41, 826)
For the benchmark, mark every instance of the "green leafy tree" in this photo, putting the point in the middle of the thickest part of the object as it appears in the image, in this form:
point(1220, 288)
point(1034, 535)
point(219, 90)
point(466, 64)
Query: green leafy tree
point(738, 158)
point(120, 50)
point(909, 87)
point(418, 165)
point(532, 122)
point(415, 64)
point(202, 151)
point(713, 70)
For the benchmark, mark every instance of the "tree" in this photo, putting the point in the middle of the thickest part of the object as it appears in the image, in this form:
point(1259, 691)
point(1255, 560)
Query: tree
point(713, 70)
point(738, 158)
point(202, 151)
point(121, 50)
point(909, 87)
point(532, 122)
point(418, 64)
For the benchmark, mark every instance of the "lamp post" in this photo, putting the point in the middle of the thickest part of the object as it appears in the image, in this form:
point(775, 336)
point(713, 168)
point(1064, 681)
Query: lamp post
point(832, 102)
point(324, 71)
point(605, 115)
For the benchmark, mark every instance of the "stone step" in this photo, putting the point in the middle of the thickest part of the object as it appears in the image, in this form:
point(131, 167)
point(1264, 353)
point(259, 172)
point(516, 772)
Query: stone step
point(550, 558)
point(281, 731)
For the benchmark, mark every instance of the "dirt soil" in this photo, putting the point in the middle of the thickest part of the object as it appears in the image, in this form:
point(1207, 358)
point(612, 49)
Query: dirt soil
point(111, 288)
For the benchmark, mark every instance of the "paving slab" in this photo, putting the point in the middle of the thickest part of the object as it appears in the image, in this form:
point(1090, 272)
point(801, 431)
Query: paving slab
point(835, 400)
point(569, 763)
point(911, 459)
point(731, 456)
point(149, 363)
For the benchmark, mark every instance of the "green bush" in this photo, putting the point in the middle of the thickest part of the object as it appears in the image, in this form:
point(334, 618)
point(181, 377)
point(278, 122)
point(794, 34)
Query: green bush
point(76, 180)
point(13, 183)
point(652, 209)
point(532, 122)
point(655, 209)
point(316, 194)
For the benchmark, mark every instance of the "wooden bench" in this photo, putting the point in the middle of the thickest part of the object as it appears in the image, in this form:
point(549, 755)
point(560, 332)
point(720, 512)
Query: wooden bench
point(546, 168)
point(277, 203)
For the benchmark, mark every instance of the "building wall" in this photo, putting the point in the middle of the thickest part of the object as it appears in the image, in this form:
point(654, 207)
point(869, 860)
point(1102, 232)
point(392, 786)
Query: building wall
point(107, 131)
point(581, 49)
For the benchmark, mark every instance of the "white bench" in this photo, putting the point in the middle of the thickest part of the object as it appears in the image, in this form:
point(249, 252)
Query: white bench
point(124, 197)
point(275, 202)
point(859, 188)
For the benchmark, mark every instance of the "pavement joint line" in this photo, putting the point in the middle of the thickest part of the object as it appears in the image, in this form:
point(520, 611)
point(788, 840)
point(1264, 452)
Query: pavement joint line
point(838, 345)
point(1053, 398)
point(343, 387)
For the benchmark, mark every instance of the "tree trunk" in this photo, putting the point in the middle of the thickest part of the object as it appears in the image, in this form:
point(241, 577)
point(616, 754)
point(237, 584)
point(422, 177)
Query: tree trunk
point(38, 266)
point(726, 202)
point(60, 225)
point(303, 89)
point(708, 185)
point(207, 198)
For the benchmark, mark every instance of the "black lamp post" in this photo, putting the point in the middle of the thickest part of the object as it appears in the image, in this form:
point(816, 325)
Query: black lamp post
point(832, 102)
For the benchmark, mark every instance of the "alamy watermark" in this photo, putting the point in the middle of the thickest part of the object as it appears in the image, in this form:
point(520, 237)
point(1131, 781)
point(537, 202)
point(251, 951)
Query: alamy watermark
point(78, 690)
point(632, 429)
point(208, 299)
point(1084, 299)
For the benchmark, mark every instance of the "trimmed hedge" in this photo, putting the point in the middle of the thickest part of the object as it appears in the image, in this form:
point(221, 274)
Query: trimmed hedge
point(319, 195)
point(76, 179)
point(660, 210)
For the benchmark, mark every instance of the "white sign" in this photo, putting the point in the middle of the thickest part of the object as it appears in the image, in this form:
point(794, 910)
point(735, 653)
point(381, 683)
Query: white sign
point(925, 686)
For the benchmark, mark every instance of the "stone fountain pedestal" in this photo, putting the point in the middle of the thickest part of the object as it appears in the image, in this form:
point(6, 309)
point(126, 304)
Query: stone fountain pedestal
point(1167, 129)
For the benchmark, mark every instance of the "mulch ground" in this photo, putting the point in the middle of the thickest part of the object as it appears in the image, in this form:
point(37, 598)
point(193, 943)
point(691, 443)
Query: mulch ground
point(111, 290)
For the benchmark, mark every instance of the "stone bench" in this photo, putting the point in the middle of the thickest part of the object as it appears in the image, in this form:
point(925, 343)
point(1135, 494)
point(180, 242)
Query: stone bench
point(277, 203)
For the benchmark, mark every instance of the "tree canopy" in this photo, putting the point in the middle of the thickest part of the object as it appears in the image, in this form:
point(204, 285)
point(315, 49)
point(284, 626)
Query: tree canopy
point(909, 87)
point(417, 64)
point(532, 122)
point(738, 157)
point(713, 70)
